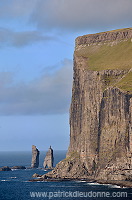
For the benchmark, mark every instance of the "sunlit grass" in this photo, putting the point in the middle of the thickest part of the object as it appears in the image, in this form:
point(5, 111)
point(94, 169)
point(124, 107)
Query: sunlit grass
point(110, 56)
point(102, 57)
point(126, 83)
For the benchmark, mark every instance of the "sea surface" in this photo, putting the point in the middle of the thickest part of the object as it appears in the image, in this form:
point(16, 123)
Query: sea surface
point(15, 184)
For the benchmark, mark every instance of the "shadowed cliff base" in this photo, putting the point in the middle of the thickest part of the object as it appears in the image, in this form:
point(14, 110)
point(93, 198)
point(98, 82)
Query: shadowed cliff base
point(101, 110)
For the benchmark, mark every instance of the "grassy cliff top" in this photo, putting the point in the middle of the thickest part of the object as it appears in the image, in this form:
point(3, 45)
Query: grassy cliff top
point(102, 57)
point(109, 55)
point(108, 36)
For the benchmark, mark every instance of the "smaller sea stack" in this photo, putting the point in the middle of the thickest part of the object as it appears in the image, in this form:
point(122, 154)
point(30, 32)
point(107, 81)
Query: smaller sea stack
point(35, 157)
point(48, 161)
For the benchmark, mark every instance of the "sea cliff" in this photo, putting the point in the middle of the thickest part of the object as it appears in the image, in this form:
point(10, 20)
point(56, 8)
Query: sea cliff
point(101, 109)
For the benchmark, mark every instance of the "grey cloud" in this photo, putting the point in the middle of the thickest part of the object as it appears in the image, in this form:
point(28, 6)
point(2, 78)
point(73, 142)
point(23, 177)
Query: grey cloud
point(86, 15)
point(19, 39)
point(49, 94)
point(17, 8)
point(73, 15)
point(6, 78)
point(29, 37)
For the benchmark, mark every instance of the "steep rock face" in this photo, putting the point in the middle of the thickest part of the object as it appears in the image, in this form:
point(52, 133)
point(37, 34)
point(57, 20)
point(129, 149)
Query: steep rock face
point(48, 161)
point(100, 117)
point(114, 126)
point(113, 37)
point(35, 157)
point(101, 110)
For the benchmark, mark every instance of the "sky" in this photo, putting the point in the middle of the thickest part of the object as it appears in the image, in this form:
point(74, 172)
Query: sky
point(37, 41)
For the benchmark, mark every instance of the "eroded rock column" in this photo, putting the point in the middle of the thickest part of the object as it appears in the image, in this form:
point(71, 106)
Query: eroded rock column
point(48, 161)
point(35, 157)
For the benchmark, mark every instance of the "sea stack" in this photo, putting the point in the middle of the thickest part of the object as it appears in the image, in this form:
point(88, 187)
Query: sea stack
point(101, 109)
point(35, 157)
point(48, 161)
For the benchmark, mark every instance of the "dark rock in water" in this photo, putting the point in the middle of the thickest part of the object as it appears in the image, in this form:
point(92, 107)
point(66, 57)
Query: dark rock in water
point(18, 167)
point(48, 161)
point(35, 175)
point(35, 157)
point(5, 168)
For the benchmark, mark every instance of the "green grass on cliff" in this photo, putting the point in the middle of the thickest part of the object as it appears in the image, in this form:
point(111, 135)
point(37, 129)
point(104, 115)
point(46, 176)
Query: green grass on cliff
point(126, 83)
point(107, 56)
point(102, 57)
point(72, 156)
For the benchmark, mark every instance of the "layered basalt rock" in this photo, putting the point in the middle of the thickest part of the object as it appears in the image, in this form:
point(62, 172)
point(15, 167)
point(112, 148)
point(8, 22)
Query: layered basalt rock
point(110, 37)
point(35, 157)
point(101, 109)
point(49, 159)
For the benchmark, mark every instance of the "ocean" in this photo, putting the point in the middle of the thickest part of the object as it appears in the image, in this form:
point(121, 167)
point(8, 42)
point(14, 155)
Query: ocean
point(15, 185)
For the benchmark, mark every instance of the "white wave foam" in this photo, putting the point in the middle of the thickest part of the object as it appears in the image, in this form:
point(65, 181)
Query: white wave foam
point(114, 186)
point(94, 184)
point(13, 177)
point(81, 181)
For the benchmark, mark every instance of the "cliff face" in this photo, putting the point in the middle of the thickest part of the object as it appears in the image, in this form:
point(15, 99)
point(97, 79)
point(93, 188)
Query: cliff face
point(101, 108)
point(112, 37)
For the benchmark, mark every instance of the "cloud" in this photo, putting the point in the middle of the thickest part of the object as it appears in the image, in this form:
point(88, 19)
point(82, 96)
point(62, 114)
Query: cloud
point(49, 94)
point(16, 9)
point(69, 15)
point(82, 14)
point(6, 78)
point(20, 39)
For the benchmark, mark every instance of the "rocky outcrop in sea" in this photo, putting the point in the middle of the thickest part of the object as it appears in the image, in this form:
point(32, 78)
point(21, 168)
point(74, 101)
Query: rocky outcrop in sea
point(48, 161)
point(35, 157)
point(7, 168)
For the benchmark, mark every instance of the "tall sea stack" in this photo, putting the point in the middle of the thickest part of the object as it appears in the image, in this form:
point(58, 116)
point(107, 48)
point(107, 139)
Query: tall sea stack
point(35, 157)
point(48, 161)
point(101, 109)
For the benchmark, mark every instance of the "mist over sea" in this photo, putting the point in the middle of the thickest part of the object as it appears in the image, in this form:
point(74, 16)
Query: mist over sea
point(15, 184)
